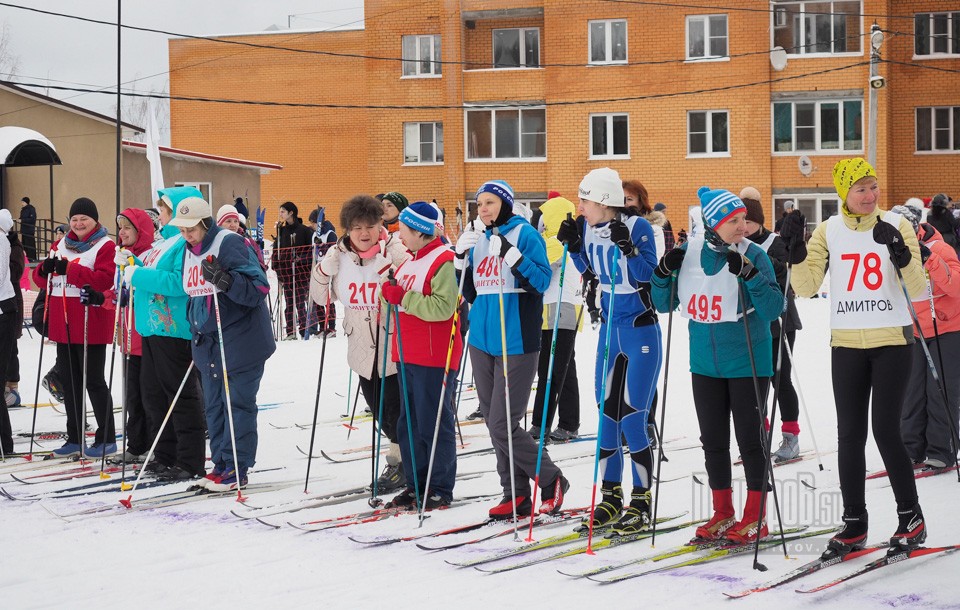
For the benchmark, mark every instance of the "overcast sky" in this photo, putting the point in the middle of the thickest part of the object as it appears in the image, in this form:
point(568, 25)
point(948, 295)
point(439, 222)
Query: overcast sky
point(68, 52)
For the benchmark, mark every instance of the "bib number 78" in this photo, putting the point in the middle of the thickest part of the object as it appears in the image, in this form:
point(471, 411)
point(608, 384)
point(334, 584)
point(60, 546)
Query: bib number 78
point(872, 275)
point(702, 308)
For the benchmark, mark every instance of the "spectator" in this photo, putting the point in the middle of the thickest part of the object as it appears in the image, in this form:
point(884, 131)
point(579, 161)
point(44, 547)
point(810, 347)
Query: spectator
point(941, 218)
point(668, 239)
point(8, 322)
point(291, 260)
point(324, 236)
point(28, 228)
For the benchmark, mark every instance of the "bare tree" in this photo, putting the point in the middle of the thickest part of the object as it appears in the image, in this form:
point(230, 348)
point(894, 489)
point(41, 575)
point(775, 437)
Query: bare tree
point(9, 61)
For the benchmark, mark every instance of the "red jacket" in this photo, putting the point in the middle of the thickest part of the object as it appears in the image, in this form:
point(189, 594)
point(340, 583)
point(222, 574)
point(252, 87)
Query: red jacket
point(944, 270)
point(145, 234)
point(62, 311)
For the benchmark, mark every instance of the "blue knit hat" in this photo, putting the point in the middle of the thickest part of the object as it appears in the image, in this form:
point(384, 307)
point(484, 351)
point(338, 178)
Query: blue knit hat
point(718, 206)
point(420, 216)
point(499, 188)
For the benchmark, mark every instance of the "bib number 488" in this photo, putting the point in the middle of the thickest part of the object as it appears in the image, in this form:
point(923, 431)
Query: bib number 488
point(703, 308)
point(872, 276)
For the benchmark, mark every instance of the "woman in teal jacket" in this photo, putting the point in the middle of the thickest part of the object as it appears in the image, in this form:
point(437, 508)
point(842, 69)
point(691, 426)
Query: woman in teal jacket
point(706, 287)
point(160, 308)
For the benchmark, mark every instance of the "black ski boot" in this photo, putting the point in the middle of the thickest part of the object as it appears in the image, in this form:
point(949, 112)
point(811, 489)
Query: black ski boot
point(852, 537)
point(608, 510)
point(912, 531)
point(637, 516)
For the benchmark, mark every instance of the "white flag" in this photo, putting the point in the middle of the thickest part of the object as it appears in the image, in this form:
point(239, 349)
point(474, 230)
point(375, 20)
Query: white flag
point(153, 157)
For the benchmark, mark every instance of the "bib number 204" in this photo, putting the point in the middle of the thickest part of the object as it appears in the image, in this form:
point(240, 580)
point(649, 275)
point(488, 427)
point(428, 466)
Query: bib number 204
point(703, 308)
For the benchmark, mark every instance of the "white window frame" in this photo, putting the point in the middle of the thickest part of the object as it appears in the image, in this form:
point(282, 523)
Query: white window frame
point(953, 127)
point(801, 53)
point(817, 150)
point(706, 38)
point(779, 200)
point(608, 42)
point(493, 136)
point(951, 17)
point(710, 152)
point(608, 127)
point(205, 188)
point(523, 48)
point(436, 68)
point(437, 131)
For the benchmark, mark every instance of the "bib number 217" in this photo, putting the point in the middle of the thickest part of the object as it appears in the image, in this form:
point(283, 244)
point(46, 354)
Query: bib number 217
point(703, 308)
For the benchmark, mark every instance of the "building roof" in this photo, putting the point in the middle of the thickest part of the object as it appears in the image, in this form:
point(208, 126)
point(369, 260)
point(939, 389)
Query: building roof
point(190, 155)
point(51, 101)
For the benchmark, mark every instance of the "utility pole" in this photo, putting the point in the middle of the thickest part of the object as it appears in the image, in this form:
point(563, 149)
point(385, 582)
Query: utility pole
point(876, 83)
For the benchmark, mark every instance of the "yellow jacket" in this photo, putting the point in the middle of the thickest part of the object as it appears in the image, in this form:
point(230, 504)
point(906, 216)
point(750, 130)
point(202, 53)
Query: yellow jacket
point(808, 275)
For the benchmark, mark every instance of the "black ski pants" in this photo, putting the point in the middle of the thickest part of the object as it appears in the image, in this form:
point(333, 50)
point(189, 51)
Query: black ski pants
point(391, 401)
point(564, 389)
point(71, 375)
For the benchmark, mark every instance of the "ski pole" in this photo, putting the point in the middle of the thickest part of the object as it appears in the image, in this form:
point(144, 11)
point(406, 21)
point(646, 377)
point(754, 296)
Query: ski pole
point(36, 392)
point(614, 267)
point(83, 387)
point(663, 409)
point(226, 393)
point(936, 335)
point(406, 399)
point(133, 488)
point(126, 371)
point(462, 370)
point(764, 446)
point(803, 403)
point(316, 402)
point(546, 397)
point(506, 389)
point(376, 440)
point(118, 287)
point(79, 422)
point(454, 327)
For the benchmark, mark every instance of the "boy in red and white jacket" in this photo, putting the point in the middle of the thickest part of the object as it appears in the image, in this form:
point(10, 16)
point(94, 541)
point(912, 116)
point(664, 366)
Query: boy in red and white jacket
point(425, 292)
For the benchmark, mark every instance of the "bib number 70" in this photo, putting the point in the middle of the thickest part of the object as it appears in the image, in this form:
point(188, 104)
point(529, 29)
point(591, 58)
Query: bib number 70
point(872, 275)
point(702, 308)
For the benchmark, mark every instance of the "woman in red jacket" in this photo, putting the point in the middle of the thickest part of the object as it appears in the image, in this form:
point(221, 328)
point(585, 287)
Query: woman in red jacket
point(84, 256)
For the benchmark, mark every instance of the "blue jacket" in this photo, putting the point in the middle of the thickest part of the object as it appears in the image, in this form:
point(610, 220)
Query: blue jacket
point(247, 336)
point(720, 349)
point(633, 308)
point(523, 311)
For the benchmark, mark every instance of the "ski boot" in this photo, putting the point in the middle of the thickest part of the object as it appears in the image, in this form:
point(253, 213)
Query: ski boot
point(51, 383)
point(553, 495)
point(721, 521)
point(753, 525)
point(11, 397)
point(561, 435)
point(912, 531)
point(504, 510)
point(852, 537)
point(637, 516)
point(391, 479)
point(608, 511)
point(475, 415)
point(789, 448)
point(405, 500)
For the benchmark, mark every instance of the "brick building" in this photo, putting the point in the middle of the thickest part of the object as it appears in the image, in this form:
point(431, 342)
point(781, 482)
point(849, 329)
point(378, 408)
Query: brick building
point(539, 92)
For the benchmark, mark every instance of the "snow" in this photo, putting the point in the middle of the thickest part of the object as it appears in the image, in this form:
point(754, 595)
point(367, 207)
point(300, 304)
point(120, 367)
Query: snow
point(199, 554)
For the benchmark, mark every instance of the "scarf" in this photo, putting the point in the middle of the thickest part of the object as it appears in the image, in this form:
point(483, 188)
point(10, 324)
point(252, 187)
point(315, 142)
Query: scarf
point(82, 246)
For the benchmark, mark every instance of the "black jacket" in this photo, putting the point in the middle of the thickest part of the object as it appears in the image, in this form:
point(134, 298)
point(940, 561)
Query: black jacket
point(943, 220)
point(28, 220)
point(294, 243)
point(778, 256)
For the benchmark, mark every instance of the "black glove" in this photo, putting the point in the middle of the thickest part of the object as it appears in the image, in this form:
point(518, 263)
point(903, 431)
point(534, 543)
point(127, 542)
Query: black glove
point(124, 299)
point(792, 227)
point(671, 261)
point(89, 296)
point(47, 266)
point(620, 236)
point(740, 266)
point(569, 233)
point(888, 235)
point(215, 274)
point(924, 253)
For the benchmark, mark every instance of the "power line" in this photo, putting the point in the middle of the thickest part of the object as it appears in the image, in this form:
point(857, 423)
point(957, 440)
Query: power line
point(919, 65)
point(495, 105)
point(771, 9)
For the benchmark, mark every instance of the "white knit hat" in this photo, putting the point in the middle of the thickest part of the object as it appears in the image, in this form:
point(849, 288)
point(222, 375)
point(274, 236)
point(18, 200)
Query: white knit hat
point(229, 211)
point(603, 186)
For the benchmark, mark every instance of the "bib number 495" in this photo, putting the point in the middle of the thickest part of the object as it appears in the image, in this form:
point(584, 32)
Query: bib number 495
point(872, 275)
point(702, 308)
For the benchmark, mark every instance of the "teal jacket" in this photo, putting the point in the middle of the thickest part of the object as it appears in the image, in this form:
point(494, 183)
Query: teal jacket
point(720, 350)
point(159, 301)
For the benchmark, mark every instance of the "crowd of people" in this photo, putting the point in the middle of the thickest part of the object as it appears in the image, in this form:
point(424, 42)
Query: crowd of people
point(185, 294)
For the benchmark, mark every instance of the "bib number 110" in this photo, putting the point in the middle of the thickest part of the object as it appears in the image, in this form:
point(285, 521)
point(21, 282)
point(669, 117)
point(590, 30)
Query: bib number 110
point(702, 308)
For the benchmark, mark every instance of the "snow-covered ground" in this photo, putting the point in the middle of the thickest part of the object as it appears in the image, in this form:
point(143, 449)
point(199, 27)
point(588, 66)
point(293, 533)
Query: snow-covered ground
point(199, 555)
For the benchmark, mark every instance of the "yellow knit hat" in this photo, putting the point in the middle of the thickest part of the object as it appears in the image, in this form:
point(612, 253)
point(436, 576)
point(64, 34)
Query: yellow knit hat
point(847, 172)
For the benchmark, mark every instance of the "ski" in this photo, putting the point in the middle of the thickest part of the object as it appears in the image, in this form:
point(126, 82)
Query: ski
point(69, 474)
point(609, 541)
point(89, 489)
point(879, 474)
point(805, 570)
point(579, 533)
point(893, 556)
point(378, 514)
point(540, 520)
point(327, 499)
point(720, 552)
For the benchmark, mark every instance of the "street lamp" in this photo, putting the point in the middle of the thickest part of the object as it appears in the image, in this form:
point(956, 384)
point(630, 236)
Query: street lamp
point(876, 83)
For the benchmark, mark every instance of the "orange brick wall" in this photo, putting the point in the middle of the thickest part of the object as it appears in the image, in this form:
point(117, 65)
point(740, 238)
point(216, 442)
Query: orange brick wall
point(329, 155)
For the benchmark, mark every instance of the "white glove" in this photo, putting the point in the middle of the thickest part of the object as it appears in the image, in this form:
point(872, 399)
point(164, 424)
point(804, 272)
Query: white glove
point(330, 265)
point(128, 274)
point(466, 241)
point(498, 244)
point(122, 259)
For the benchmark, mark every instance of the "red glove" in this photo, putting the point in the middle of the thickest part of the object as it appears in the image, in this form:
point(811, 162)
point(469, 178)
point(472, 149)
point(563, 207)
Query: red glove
point(393, 294)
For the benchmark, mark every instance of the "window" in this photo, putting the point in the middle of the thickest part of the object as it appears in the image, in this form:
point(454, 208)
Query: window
point(422, 143)
point(516, 48)
point(936, 34)
point(609, 135)
point(707, 37)
point(804, 28)
point(421, 56)
point(815, 208)
point(205, 188)
point(818, 126)
point(938, 129)
point(510, 135)
point(608, 41)
point(708, 133)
